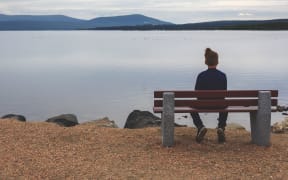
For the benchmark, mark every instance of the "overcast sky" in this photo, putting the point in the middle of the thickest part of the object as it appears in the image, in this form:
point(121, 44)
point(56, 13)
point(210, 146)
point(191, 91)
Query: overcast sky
point(177, 11)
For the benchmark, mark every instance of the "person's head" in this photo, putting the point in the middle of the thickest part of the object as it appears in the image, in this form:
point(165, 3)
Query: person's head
point(211, 58)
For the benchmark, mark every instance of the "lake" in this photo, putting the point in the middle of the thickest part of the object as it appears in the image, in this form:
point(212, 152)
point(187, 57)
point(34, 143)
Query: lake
point(94, 74)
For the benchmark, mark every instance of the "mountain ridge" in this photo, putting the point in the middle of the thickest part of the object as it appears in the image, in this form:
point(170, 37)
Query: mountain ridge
point(61, 22)
point(129, 22)
point(274, 24)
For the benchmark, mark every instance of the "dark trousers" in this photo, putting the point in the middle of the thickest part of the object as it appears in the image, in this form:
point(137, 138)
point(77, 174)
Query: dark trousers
point(221, 120)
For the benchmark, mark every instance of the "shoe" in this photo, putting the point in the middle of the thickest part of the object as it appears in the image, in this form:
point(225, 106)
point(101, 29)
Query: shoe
point(200, 134)
point(221, 135)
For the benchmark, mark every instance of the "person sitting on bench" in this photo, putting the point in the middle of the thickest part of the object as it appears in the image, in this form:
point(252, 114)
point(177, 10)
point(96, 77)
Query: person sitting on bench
point(211, 79)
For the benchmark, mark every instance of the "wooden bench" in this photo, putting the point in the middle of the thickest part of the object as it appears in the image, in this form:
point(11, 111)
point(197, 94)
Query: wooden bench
point(259, 103)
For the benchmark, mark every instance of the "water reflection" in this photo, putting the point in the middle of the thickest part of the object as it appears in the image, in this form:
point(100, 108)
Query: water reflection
point(97, 74)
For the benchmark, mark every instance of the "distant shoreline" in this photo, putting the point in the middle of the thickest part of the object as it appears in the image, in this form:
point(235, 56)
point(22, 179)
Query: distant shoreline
point(268, 25)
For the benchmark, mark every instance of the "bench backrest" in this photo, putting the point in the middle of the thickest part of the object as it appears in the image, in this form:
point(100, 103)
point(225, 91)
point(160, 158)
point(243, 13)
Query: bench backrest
point(216, 99)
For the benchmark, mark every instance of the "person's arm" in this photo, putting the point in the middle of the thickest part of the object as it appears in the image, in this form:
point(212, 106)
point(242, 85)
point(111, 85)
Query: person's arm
point(225, 82)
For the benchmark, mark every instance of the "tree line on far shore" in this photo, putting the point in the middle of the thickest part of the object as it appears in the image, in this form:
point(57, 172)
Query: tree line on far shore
point(280, 24)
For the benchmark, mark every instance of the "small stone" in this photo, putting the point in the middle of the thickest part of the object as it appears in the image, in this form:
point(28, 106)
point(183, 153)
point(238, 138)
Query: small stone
point(278, 127)
point(104, 122)
point(233, 126)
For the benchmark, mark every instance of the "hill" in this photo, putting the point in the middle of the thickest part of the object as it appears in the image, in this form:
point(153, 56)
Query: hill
point(130, 20)
point(60, 22)
point(277, 24)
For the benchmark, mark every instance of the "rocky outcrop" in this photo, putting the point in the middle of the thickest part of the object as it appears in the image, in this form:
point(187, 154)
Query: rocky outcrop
point(104, 122)
point(66, 120)
point(14, 117)
point(141, 119)
point(282, 108)
point(280, 127)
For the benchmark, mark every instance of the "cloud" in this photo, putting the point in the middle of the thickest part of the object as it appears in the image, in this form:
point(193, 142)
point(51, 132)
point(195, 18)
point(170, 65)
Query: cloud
point(245, 14)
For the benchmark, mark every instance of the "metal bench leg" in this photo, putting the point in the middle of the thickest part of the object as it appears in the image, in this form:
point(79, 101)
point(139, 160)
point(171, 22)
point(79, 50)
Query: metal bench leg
point(261, 120)
point(167, 124)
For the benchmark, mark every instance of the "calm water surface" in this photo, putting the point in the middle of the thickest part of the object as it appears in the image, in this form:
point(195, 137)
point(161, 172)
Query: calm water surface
point(110, 73)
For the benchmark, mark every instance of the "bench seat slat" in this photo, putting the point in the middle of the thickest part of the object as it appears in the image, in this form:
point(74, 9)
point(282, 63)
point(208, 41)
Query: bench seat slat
point(229, 109)
point(215, 103)
point(215, 93)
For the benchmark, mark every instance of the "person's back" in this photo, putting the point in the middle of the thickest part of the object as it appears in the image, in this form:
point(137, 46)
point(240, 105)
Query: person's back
point(211, 79)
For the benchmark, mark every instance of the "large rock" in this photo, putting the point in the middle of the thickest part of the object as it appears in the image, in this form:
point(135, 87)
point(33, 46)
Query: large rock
point(14, 117)
point(66, 120)
point(141, 119)
point(280, 127)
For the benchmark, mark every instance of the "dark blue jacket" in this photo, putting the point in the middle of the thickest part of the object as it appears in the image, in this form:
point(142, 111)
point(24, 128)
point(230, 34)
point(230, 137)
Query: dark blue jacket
point(211, 79)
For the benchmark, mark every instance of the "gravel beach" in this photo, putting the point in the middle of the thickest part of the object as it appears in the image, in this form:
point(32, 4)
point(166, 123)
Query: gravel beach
point(40, 150)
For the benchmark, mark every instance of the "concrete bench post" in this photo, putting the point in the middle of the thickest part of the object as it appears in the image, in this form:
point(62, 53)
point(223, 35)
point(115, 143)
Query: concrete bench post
point(167, 124)
point(261, 120)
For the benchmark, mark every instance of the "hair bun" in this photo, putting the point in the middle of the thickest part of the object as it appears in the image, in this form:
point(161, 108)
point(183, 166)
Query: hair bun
point(208, 50)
